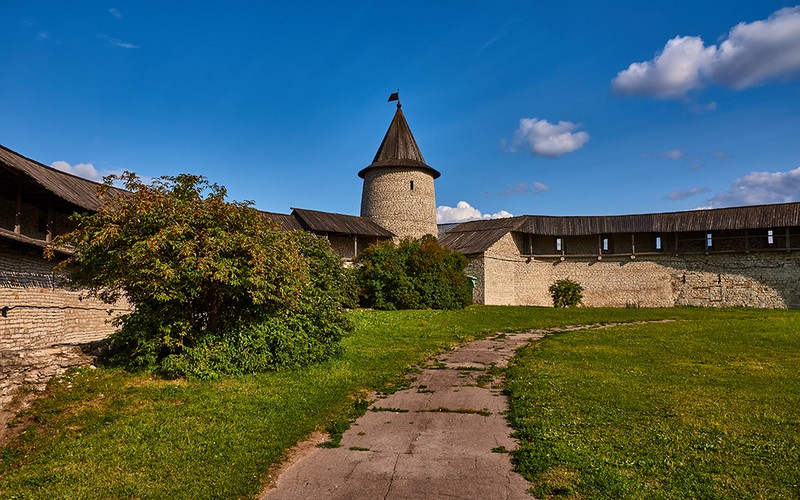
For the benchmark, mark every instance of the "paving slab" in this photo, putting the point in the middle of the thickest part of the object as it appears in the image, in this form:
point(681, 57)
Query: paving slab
point(443, 437)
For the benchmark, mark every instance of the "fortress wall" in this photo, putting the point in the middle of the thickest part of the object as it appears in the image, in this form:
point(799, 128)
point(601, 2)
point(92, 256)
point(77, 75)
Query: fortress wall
point(344, 246)
point(758, 279)
point(46, 328)
point(499, 265)
point(475, 268)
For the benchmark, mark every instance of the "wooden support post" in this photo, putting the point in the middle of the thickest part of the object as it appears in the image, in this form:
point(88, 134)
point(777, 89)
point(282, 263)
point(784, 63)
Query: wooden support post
point(788, 240)
point(676, 243)
point(355, 246)
point(746, 242)
point(633, 244)
point(18, 211)
point(599, 244)
point(49, 235)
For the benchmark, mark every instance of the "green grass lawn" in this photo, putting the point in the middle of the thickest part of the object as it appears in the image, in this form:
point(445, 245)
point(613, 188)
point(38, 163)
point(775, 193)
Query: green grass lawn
point(703, 408)
point(110, 434)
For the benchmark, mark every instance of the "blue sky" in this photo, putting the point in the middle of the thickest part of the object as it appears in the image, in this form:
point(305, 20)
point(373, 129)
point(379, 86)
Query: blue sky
point(555, 108)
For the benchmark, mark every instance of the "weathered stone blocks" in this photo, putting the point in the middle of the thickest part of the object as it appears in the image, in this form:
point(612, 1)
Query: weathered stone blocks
point(401, 200)
point(757, 279)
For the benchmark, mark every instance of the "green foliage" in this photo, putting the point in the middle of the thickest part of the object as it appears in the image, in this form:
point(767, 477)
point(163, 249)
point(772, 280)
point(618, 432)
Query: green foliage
point(566, 293)
point(417, 274)
point(217, 287)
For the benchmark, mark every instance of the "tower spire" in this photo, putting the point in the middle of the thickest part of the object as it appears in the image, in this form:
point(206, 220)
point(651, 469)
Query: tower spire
point(399, 148)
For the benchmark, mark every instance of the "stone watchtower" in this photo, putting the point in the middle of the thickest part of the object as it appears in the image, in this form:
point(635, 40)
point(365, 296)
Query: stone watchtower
point(398, 185)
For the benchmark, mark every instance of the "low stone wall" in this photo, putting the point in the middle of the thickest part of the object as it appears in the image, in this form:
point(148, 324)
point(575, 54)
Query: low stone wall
point(758, 279)
point(44, 328)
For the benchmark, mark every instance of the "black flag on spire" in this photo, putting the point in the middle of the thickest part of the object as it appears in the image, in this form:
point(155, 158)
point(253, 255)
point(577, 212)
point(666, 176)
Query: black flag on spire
point(394, 97)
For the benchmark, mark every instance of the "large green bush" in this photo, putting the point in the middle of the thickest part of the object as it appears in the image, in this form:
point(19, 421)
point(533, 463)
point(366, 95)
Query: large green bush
point(416, 274)
point(217, 287)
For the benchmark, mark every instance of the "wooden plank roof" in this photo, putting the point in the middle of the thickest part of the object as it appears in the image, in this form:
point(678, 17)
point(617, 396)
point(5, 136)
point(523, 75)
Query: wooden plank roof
point(399, 148)
point(477, 236)
point(327, 222)
point(71, 188)
point(716, 219)
point(288, 222)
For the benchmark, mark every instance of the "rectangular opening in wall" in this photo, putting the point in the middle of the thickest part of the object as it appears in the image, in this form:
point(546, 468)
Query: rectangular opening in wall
point(658, 244)
point(558, 244)
point(709, 240)
point(605, 244)
point(411, 183)
point(42, 222)
point(770, 237)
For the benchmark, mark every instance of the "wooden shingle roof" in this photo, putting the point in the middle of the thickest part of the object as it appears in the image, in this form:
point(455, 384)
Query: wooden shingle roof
point(477, 236)
point(716, 219)
point(288, 222)
point(399, 149)
point(71, 188)
point(327, 222)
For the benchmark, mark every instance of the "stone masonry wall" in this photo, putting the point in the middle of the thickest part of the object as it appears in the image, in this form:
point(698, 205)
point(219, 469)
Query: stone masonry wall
point(46, 328)
point(758, 279)
point(388, 200)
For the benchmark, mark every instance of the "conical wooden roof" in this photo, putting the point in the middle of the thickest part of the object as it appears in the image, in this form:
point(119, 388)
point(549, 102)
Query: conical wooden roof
point(399, 149)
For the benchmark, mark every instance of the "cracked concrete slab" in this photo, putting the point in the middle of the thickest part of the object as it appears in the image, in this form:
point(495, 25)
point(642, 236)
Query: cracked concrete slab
point(444, 437)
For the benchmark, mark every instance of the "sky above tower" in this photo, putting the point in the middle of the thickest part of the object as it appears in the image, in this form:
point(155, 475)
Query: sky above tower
point(552, 108)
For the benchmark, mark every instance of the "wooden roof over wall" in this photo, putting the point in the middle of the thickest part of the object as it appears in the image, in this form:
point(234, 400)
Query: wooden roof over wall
point(288, 222)
point(327, 222)
point(477, 236)
point(716, 219)
point(71, 188)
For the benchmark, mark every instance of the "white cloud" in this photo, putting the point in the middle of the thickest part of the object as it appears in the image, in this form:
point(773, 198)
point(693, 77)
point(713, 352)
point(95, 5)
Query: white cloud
point(115, 13)
point(85, 170)
point(760, 51)
point(752, 54)
point(463, 212)
point(549, 139)
point(682, 195)
point(721, 155)
point(43, 35)
point(524, 188)
point(757, 188)
point(119, 43)
point(673, 72)
point(669, 154)
point(674, 154)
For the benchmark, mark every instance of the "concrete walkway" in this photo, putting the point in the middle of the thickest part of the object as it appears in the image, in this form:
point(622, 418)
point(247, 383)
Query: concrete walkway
point(445, 437)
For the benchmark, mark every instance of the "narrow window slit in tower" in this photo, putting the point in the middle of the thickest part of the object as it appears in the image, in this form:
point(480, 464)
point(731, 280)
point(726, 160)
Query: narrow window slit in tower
point(412, 184)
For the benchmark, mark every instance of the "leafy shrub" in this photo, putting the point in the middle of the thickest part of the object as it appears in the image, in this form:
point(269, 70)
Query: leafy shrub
point(217, 287)
point(416, 274)
point(566, 293)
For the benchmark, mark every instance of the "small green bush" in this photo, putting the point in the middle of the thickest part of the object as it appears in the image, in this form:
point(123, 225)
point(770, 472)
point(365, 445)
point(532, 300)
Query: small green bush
point(416, 274)
point(566, 293)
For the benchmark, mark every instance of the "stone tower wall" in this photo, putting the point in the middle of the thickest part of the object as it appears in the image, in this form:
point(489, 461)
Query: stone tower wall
point(388, 200)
